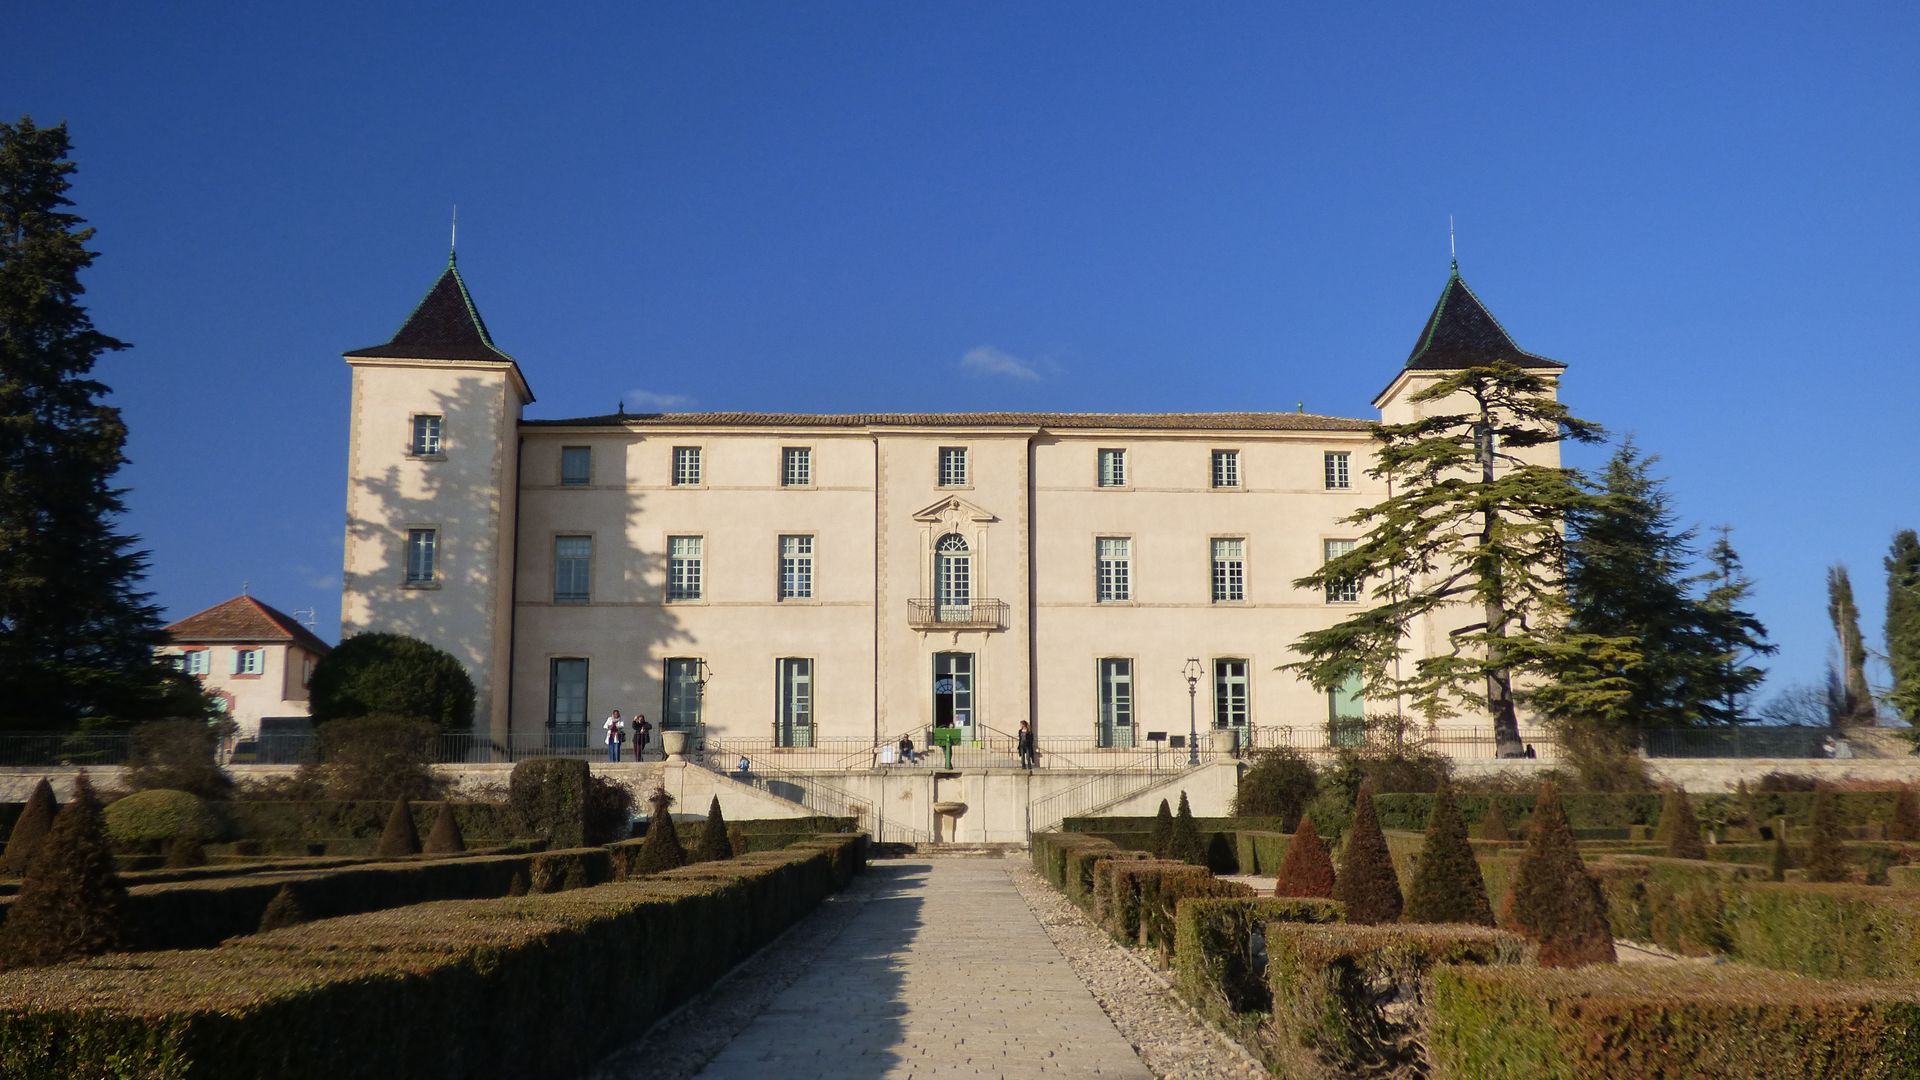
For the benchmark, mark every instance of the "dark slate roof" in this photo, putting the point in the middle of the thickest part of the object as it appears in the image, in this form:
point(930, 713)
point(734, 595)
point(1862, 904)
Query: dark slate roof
point(445, 326)
point(1225, 421)
point(244, 619)
point(1461, 333)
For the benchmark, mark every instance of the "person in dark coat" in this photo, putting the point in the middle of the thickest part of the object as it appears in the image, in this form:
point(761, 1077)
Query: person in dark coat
point(1029, 753)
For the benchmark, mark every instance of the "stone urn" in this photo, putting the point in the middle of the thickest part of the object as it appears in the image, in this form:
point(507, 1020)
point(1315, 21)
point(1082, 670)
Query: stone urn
point(674, 745)
point(1224, 740)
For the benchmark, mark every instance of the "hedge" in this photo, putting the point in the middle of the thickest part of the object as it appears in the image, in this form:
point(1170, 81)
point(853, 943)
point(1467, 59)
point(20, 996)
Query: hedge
point(1125, 882)
point(1260, 851)
point(536, 986)
point(763, 834)
point(1346, 999)
point(1099, 895)
point(293, 824)
point(1220, 950)
point(1049, 853)
point(1162, 895)
point(1679, 1022)
point(1845, 931)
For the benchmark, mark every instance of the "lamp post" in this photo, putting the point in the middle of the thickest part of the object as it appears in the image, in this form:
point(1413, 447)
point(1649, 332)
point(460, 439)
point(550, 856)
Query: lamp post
point(1192, 672)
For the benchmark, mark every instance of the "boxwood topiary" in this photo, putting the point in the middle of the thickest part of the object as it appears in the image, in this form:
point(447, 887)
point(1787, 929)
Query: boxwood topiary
point(1367, 884)
point(159, 816)
point(548, 798)
point(35, 821)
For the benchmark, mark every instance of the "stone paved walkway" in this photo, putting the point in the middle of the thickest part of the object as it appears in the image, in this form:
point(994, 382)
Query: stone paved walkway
point(944, 972)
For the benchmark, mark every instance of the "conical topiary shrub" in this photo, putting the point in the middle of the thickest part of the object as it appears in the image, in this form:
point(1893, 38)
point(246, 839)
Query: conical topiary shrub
point(1307, 868)
point(445, 839)
point(35, 821)
point(399, 838)
point(1366, 883)
point(71, 903)
point(1555, 901)
point(283, 910)
point(1160, 841)
point(1447, 886)
point(1679, 829)
point(1782, 860)
point(661, 849)
point(518, 885)
point(1826, 852)
point(737, 841)
point(713, 839)
point(1186, 845)
point(1904, 823)
point(1494, 825)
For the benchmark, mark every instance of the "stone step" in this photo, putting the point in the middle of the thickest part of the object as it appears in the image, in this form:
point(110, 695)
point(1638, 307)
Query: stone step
point(944, 850)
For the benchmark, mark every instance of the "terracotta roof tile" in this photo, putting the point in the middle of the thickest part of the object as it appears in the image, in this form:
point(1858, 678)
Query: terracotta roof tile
point(244, 619)
point(1220, 421)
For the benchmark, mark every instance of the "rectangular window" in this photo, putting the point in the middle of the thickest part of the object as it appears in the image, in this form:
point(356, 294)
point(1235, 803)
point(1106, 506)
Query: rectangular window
point(576, 466)
point(426, 435)
point(796, 567)
point(1113, 468)
point(192, 663)
point(1347, 712)
point(1226, 468)
point(1230, 694)
point(686, 466)
point(423, 554)
point(796, 466)
point(1113, 570)
point(953, 466)
point(794, 725)
point(681, 709)
point(1229, 569)
point(1341, 592)
point(567, 697)
point(1337, 478)
point(249, 661)
point(572, 569)
point(683, 567)
point(1115, 724)
point(306, 670)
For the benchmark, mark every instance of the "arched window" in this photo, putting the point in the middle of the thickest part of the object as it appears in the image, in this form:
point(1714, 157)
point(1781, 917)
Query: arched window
point(953, 575)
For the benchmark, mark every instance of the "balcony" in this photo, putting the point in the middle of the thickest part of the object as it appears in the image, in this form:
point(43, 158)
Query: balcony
point(979, 615)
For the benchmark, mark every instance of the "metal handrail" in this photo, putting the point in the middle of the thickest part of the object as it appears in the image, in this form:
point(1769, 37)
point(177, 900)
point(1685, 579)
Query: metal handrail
point(928, 612)
point(819, 797)
point(1098, 793)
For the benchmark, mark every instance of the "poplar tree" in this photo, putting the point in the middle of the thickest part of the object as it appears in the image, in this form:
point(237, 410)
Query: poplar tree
point(1473, 536)
point(76, 632)
point(1903, 626)
point(1854, 699)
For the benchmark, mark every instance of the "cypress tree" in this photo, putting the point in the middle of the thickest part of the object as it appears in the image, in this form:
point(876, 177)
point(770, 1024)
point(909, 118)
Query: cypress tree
point(1186, 844)
point(1366, 883)
point(1782, 861)
point(1679, 829)
point(1904, 823)
point(71, 903)
point(1555, 901)
point(1160, 841)
point(661, 849)
point(1854, 699)
point(714, 846)
point(1903, 627)
point(35, 821)
point(1447, 885)
point(446, 839)
point(1827, 853)
point(399, 838)
point(283, 910)
point(1307, 868)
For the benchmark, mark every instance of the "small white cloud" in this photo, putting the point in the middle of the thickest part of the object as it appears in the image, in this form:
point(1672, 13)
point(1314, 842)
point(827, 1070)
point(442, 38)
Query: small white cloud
point(648, 401)
point(987, 360)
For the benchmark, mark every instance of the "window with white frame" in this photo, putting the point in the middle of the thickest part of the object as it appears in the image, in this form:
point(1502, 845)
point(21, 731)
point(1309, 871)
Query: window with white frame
point(684, 554)
point(1341, 592)
point(1113, 569)
point(249, 661)
point(796, 466)
point(1113, 467)
point(1337, 476)
point(1229, 569)
point(953, 466)
point(794, 724)
point(572, 569)
point(191, 663)
point(423, 556)
point(796, 567)
point(426, 435)
point(1113, 728)
point(1226, 468)
point(686, 466)
point(576, 466)
point(1230, 696)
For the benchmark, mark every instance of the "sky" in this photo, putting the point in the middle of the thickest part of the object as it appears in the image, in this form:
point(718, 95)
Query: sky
point(1070, 206)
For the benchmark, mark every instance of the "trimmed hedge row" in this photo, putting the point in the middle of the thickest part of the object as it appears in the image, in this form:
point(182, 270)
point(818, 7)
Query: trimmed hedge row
point(536, 986)
point(1681, 1022)
point(293, 825)
point(1842, 931)
point(1220, 951)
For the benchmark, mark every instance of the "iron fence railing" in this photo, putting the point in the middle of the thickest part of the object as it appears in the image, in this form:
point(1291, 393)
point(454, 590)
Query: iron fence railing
point(1099, 793)
point(979, 615)
point(1746, 742)
point(1460, 743)
point(297, 748)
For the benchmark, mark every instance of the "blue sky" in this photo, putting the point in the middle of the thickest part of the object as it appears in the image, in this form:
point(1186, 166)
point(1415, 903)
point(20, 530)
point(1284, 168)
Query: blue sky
point(1709, 214)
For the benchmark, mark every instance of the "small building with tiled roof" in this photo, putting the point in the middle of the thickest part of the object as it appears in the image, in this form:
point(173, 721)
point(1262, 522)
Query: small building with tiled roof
point(253, 659)
point(784, 580)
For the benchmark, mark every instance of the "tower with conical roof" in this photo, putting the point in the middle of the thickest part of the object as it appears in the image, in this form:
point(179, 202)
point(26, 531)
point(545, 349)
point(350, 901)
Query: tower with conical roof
point(1461, 333)
point(432, 475)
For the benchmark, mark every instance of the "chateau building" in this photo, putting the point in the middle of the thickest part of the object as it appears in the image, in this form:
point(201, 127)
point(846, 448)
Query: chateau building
point(253, 660)
point(800, 577)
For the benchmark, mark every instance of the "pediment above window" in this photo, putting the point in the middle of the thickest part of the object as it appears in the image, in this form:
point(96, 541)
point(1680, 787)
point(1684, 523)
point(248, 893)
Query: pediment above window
point(952, 512)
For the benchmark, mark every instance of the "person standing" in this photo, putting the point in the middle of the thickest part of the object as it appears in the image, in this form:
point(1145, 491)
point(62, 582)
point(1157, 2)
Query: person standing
point(1029, 754)
point(642, 734)
point(616, 734)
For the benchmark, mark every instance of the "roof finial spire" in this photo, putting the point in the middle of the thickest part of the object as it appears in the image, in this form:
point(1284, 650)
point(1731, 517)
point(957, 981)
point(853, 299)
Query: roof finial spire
point(1453, 254)
point(245, 586)
point(453, 238)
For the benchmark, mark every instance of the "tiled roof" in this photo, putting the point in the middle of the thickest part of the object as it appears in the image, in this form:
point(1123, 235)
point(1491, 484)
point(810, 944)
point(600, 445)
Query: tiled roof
point(1461, 333)
point(445, 326)
point(244, 619)
point(1221, 421)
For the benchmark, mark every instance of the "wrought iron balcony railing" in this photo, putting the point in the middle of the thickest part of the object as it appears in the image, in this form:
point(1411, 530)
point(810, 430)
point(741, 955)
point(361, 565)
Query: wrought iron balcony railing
point(978, 615)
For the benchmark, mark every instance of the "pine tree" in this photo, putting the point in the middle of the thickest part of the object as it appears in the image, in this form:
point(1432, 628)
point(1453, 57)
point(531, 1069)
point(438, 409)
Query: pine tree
point(1854, 699)
point(1307, 867)
point(283, 910)
point(1679, 828)
point(714, 846)
point(1555, 901)
point(1904, 823)
point(1186, 844)
point(1366, 883)
point(661, 849)
point(1464, 463)
point(1903, 627)
point(1827, 851)
point(1447, 885)
point(32, 827)
point(399, 838)
point(76, 632)
point(1160, 841)
point(1494, 825)
point(1734, 633)
point(71, 903)
point(446, 839)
